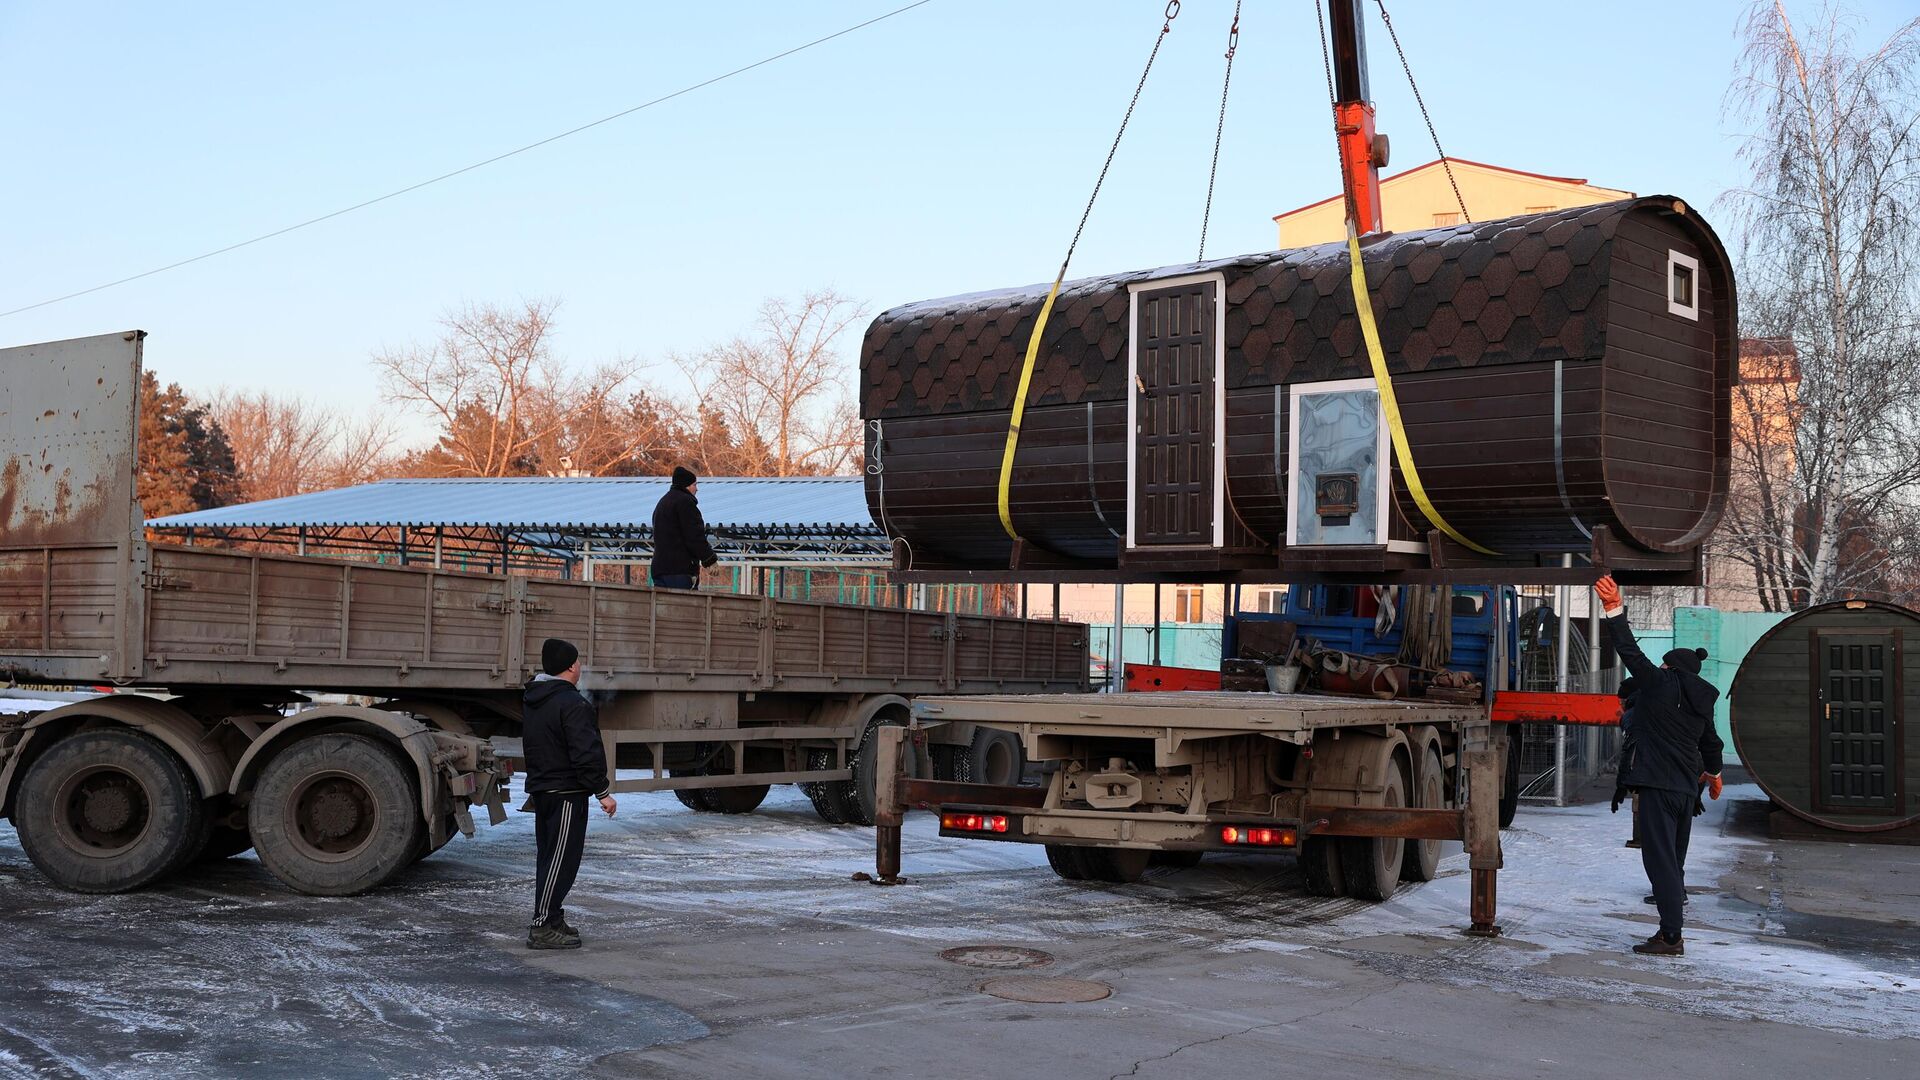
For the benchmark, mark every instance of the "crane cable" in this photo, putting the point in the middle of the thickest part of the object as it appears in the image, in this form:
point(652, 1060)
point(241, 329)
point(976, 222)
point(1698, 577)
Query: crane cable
point(1046, 309)
point(1445, 162)
point(1220, 129)
point(1376, 356)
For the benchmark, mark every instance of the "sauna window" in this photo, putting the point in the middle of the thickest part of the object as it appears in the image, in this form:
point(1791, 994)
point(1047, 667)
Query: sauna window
point(1683, 272)
point(1443, 220)
point(1541, 209)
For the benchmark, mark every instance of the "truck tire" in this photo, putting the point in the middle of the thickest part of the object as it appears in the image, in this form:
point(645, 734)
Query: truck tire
point(738, 800)
point(1510, 783)
point(1120, 866)
point(109, 810)
point(336, 814)
point(829, 797)
point(1065, 861)
point(1422, 860)
point(1371, 865)
point(997, 757)
point(952, 763)
point(696, 799)
point(1320, 865)
point(865, 763)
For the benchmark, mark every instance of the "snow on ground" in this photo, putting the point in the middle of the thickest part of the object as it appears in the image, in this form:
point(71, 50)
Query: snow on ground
point(12, 705)
point(1570, 905)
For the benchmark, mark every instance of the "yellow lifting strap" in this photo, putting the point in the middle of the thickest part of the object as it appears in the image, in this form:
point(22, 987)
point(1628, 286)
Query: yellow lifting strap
point(1389, 404)
point(1020, 404)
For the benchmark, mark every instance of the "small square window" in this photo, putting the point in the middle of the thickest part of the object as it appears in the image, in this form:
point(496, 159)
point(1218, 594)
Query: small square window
point(1683, 274)
point(1541, 209)
point(1441, 221)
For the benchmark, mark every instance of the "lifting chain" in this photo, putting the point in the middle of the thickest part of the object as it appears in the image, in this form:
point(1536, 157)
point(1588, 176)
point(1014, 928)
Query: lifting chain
point(1233, 45)
point(1424, 115)
point(1053, 294)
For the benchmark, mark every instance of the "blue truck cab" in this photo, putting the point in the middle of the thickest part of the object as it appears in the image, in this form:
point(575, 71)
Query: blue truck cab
point(1342, 617)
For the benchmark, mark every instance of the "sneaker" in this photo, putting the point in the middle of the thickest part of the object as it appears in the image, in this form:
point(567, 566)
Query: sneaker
point(552, 937)
point(1658, 945)
point(1685, 901)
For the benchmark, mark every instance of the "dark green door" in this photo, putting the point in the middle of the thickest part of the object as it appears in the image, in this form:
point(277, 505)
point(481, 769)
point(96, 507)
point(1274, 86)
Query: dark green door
point(1858, 724)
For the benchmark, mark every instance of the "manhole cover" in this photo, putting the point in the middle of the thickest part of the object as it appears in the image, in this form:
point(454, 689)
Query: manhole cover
point(996, 956)
point(1045, 989)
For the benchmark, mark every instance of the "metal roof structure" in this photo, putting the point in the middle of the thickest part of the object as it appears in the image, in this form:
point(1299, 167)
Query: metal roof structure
point(801, 519)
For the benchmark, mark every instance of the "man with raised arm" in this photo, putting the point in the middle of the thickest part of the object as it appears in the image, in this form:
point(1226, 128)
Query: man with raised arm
point(1675, 751)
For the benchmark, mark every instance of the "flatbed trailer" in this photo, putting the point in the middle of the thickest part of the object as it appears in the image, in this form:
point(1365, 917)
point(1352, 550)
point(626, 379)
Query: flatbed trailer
point(231, 744)
point(1364, 791)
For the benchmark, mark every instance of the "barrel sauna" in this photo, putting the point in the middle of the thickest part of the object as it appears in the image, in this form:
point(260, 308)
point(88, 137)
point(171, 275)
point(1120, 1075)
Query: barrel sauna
point(1818, 711)
point(1557, 373)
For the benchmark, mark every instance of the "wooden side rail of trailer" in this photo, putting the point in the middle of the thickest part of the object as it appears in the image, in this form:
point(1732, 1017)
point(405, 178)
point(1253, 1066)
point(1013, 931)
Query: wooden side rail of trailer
point(339, 717)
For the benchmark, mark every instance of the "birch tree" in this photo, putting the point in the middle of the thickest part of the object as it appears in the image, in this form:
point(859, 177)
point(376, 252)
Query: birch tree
point(1830, 244)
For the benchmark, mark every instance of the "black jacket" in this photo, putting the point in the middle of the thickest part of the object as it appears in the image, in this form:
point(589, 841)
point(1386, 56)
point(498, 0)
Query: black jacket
point(1673, 740)
point(679, 535)
point(560, 734)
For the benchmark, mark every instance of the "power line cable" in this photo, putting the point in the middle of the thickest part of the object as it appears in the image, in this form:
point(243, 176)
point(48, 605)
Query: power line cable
point(476, 165)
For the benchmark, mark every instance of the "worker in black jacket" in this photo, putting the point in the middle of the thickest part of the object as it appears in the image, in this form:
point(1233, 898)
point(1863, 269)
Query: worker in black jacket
point(680, 545)
point(1675, 750)
point(566, 762)
point(1620, 793)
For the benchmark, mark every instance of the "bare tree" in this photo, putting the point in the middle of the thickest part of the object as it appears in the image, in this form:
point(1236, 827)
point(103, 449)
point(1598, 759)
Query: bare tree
point(505, 404)
point(288, 446)
point(1831, 246)
point(780, 391)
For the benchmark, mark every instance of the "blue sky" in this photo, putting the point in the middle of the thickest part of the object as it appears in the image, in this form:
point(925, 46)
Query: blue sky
point(946, 150)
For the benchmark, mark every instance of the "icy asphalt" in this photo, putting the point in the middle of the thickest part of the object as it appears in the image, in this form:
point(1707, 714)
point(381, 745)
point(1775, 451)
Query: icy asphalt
point(741, 947)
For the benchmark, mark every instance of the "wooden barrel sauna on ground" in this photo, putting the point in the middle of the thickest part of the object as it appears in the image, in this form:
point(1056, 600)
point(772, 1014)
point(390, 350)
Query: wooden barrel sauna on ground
point(1819, 709)
point(1556, 372)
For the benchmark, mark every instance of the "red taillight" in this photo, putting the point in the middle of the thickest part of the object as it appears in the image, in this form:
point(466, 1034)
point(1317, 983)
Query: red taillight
point(996, 823)
point(1257, 835)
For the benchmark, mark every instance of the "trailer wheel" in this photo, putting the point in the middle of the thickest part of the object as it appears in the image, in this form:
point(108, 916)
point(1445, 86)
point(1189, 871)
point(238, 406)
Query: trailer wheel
point(335, 814)
point(997, 758)
point(1118, 865)
point(1065, 861)
point(1510, 784)
point(1422, 860)
point(866, 763)
point(952, 763)
point(829, 796)
point(1371, 865)
point(696, 799)
point(738, 800)
point(109, 810)
point(1320, 865)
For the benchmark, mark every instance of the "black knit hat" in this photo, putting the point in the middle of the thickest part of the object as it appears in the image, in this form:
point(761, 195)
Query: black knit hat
point(1687, 660)
point(557, 656)
point(683, 477)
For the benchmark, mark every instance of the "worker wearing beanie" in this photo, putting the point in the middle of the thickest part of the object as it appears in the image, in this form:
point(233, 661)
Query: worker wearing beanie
point(1675, 751)
point(680, 545)
point(560, 733)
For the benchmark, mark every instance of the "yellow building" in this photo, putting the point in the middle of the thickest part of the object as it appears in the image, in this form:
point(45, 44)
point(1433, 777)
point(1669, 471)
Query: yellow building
point(1422, 198)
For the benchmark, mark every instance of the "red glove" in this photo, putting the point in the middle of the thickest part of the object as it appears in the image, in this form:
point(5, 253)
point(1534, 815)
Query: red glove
point(1608, 592)
point(1713, 783)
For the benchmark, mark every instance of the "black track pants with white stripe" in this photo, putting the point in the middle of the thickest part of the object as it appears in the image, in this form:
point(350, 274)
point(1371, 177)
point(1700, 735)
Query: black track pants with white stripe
point(560, 832)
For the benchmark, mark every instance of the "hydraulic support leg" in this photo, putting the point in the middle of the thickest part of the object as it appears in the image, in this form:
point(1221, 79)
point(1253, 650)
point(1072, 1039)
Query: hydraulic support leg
point(888, 809)
point(1486, 753)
